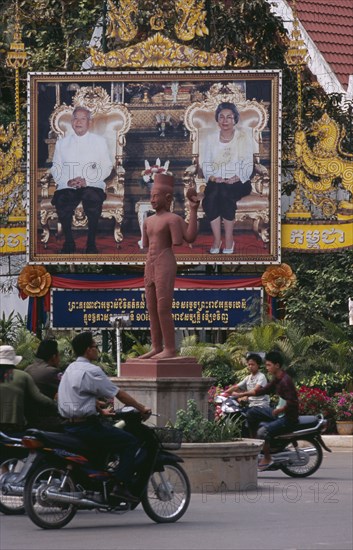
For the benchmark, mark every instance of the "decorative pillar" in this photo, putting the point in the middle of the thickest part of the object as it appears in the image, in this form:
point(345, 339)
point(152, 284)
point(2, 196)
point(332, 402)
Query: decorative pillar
point(296, 58)
point(17, 59)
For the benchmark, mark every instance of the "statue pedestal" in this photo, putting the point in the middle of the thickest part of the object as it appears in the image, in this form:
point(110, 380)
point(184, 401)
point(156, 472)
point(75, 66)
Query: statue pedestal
point(175, 367)
point(165, 385)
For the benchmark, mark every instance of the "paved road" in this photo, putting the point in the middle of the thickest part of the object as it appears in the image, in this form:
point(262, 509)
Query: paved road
point(282, 514)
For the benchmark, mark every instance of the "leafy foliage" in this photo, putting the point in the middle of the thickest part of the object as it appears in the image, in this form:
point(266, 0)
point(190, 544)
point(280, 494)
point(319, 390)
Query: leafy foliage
point(331, 382)
point(8, 328)
point(137, 347)
point(328, 349)
point(215, 359)
point(197, 429)
point(25, 344)
point(324, 284)
point(259, 338)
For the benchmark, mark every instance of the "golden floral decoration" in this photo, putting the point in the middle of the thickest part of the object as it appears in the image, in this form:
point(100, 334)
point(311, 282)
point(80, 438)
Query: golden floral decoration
point(277, 279)
point(34, 281)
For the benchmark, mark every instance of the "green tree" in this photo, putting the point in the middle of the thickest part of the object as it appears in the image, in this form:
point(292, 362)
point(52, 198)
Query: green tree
point(324, 285)
point(215, 359)
point(261, 338)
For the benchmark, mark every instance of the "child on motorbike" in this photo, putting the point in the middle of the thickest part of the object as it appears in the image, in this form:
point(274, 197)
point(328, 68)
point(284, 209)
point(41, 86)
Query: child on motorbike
point(255, 404)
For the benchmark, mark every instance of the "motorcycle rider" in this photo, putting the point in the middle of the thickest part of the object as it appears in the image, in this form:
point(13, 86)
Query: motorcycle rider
point(45, 369)
point(255, 404)
point(46, 375)
point(284, 418)
point(81, 387)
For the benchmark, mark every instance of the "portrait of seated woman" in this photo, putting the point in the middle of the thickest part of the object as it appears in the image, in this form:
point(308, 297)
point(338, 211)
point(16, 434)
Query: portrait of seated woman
point(226, 164)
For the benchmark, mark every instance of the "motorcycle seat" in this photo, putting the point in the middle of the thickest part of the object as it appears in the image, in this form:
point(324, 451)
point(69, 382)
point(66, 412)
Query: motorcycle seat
point(307, 421)
point(60, 440)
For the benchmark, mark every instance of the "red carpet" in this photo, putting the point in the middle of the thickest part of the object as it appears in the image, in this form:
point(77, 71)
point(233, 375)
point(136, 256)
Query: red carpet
point(246, 244)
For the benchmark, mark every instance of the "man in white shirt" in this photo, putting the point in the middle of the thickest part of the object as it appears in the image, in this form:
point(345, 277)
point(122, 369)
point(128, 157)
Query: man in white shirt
point(81, 387)
point(81, 163)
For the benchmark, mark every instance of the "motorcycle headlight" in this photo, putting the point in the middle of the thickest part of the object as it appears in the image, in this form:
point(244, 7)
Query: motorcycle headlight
point(219, 400)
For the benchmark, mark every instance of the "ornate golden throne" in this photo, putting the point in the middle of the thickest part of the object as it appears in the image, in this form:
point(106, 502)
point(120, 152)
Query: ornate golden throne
point(252, 211)
point(108, 119)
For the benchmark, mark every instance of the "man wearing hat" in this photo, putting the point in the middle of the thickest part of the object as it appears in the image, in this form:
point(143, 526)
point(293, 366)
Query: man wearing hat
point(161, 232)
point(17, 389)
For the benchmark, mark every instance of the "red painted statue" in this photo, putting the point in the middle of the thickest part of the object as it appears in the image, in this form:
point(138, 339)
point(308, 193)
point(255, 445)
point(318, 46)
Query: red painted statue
point(161, 232)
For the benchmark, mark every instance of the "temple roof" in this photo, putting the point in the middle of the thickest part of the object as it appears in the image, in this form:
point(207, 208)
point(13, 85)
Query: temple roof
point(327, 30)
point(330, 24)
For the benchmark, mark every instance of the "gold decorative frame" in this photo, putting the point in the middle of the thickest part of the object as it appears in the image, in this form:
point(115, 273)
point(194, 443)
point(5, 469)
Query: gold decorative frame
point(146, 98)
point(158, 51)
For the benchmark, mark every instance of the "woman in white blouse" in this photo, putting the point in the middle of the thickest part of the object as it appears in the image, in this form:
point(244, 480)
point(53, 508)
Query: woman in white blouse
point(226, 162)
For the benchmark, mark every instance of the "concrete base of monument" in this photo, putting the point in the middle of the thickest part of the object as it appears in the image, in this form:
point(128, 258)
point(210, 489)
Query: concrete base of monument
point(165, 396)
point(221, 467)
point(175, 367)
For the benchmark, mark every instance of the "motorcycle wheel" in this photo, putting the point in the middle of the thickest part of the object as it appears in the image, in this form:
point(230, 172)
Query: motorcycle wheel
point(167, 495)
point(40, 509)
point(314, 462)
point(11, 505)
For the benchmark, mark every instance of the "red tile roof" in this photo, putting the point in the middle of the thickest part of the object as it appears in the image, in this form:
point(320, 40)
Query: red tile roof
point(329, 24)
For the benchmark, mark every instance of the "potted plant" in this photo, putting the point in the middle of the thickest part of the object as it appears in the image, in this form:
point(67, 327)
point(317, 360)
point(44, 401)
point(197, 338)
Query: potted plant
point(216, 458)
point(343, 407)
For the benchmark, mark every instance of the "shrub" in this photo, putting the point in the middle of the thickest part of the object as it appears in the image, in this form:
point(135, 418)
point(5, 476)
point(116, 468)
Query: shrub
point(197, 429)
point(331, 382)
point(343, 406)
point(313, 401)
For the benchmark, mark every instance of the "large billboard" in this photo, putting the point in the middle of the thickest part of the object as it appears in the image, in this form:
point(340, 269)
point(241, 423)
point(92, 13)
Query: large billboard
point(96, 139)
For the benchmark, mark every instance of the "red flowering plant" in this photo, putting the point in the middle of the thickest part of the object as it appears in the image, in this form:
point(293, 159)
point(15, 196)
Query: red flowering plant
point(313, 401)
point(343, 406)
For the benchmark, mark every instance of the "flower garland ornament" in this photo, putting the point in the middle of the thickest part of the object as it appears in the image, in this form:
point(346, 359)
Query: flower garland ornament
point(277, 279)
point(150, 171)
point(34, 281)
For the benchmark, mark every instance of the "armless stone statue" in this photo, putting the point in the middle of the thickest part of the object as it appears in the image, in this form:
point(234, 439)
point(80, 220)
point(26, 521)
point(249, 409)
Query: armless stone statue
point(161, 232)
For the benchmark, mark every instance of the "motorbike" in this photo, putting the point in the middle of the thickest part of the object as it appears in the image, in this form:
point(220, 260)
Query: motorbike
point(12, 459)
point(66, 476)
point(298, 453)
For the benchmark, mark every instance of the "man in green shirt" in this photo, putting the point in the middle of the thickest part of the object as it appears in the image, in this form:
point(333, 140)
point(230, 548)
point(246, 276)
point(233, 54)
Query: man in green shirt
point(17, 391)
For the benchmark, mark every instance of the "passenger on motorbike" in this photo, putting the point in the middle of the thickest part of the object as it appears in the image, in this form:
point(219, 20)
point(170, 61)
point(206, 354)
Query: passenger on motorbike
point(255, 404)
point(81, 387)
point(46, 375)
point(18, 393)
point(282, 385)
point(45, 369)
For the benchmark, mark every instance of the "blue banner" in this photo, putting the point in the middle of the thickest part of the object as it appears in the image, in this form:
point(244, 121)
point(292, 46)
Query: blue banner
point(192, 308)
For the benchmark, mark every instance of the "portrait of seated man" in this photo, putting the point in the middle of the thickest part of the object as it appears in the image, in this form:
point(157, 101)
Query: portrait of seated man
point(81, 163)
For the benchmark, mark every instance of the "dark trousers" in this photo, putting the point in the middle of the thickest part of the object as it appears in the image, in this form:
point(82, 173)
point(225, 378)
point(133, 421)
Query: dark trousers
point(65, 202)
point(255, 415)
point(104, 437)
